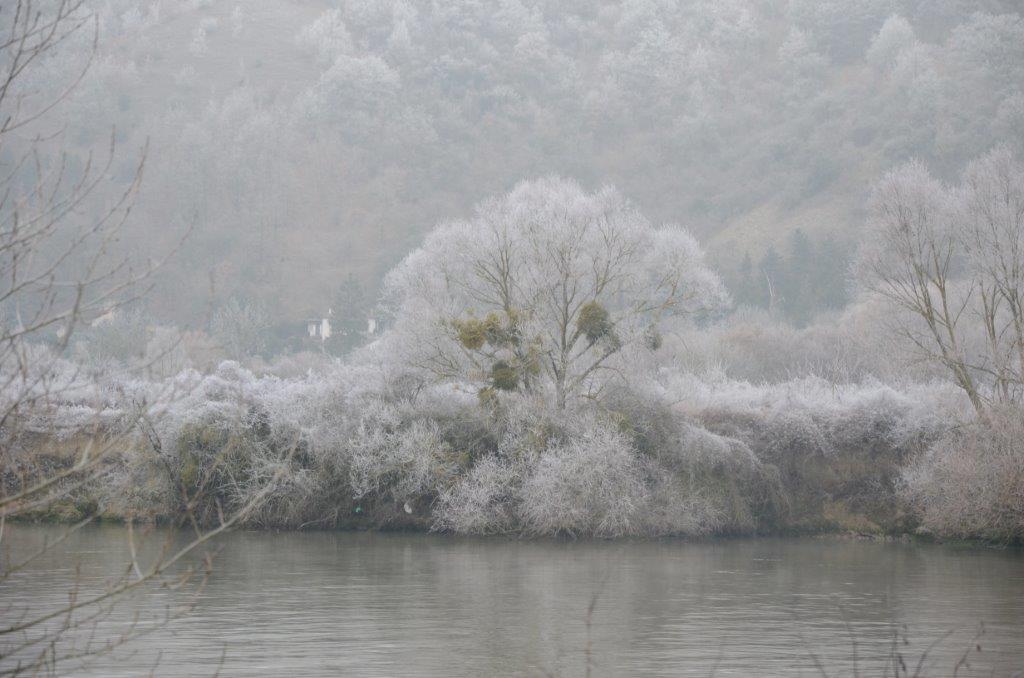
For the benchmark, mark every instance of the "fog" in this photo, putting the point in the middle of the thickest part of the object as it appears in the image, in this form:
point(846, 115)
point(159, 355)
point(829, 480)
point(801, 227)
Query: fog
point(301, 143)
point(644, 269)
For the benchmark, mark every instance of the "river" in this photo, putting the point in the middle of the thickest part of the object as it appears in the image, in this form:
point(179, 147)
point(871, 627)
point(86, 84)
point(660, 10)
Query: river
point(385, 604)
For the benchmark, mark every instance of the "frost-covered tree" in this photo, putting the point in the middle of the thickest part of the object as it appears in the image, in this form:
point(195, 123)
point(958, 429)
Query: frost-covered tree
point(895, 36)
point(845, 26)
point(116, 336)
point(951, 260)
point(241, 327)
point(991, 210)
point(542, 288)
point(911, 256)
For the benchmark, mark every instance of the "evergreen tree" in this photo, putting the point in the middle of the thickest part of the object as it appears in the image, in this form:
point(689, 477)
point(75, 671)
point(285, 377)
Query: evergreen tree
point(350, 311)
point(798, 284)
point(830, 272)
point(745, 287)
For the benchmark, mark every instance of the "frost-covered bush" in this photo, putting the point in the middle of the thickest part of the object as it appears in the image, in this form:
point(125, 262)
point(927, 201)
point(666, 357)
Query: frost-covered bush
point(140, 485)
point(970, 484)
point(641, 469)
point(402, 459)
point(752, 345)
point(839, 450)
point(369, 443)
point(701, 481)
point(484, 500)
point(592, 484)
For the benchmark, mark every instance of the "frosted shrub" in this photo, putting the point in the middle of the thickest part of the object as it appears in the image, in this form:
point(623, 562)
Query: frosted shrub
point(657, 451)
point(795, 431)
point(877, 418)
point(838, 449)
point(394, 458)
point(217, 461)
point(679, 506)
point(590, 485)
point(721, 482)
point(699, 446)
point(140, 486)
point(970, 484)
point(638, 468)
point(296, 488)
point(753, 345)
point(299, 365)
point(484, 501)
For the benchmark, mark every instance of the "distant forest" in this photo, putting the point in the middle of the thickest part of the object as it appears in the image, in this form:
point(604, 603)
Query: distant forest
point(326, 158)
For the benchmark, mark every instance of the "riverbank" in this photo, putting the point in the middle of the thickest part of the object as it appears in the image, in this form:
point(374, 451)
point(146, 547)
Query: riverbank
point(357, 448)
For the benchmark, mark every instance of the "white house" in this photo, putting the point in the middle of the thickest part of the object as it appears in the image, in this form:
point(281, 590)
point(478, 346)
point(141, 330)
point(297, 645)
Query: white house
point(320, 328)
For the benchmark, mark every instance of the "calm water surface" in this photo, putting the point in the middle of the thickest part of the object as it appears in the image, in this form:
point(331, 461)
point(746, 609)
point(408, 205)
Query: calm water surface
point(422, 605)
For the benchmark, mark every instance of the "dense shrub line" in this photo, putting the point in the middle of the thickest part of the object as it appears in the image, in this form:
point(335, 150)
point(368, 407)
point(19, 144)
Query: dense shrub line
point(367, 446)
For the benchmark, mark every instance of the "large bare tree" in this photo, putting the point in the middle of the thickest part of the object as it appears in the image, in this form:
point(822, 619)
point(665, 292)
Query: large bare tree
point(950, 259)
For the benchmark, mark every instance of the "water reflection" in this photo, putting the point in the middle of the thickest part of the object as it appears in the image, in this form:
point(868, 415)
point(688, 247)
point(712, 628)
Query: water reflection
point(422, 605)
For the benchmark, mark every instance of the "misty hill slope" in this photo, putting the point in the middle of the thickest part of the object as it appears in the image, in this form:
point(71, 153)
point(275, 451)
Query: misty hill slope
point(302, 141)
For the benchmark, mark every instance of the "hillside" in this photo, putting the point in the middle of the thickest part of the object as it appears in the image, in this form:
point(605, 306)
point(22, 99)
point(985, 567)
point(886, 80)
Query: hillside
point(301, 142)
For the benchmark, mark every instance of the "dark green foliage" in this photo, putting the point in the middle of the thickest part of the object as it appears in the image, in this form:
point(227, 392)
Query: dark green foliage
point(471, 333)
point(593, 321)
point(653, 338)
point(504, 377)
point(502, 332)
point(810, 278)
point(351, 309)
point(745, 288)
point(495, 330)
